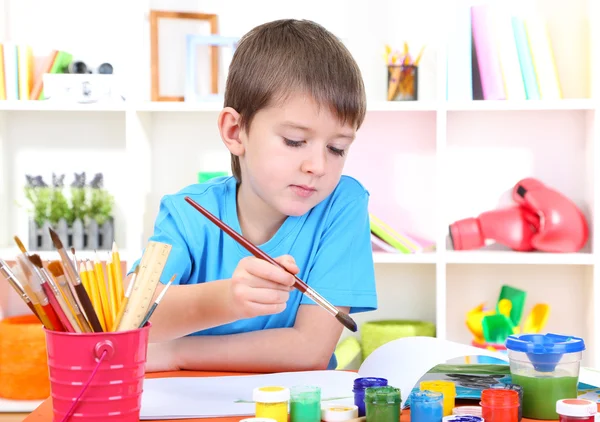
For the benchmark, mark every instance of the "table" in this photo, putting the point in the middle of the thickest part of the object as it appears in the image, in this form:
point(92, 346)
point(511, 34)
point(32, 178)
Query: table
point(44, 412)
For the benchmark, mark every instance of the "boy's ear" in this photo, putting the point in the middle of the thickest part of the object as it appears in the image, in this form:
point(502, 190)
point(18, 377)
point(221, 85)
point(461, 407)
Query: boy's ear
point(229, 127)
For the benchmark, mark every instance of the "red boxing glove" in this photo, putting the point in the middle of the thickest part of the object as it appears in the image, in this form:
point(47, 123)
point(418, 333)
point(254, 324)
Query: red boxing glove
point(563, 227)
point(513, 227)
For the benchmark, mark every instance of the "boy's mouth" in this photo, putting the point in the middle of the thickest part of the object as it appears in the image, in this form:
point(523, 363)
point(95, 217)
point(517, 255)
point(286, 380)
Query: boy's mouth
point(303, 191)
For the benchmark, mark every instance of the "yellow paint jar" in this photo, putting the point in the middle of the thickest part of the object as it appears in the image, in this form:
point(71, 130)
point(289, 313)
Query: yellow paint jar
point(447, 388)
point(272, 402)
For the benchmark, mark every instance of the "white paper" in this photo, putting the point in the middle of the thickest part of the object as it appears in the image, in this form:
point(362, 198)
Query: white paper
point(402, 362)
point(18, 406)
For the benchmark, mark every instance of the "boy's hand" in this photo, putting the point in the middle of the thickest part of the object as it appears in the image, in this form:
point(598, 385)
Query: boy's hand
point(261, 288)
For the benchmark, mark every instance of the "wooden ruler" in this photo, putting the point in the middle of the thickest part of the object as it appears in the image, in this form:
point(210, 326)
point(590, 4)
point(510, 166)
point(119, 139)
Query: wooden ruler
point(152, 264)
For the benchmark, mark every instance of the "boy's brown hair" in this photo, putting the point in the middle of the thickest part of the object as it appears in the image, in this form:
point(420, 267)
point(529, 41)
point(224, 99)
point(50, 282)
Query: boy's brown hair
point(280, 57)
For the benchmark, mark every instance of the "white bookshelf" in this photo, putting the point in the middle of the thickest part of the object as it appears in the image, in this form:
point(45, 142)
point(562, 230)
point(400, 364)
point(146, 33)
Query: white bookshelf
point(425, 163)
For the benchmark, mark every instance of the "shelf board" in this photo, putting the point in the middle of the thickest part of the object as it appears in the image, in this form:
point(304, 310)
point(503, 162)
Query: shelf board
point(402, 106)
point(511, 257)
point(401, 258)
point(532, 105)
point(9, 254)
point(178, 106)
point(59, 106)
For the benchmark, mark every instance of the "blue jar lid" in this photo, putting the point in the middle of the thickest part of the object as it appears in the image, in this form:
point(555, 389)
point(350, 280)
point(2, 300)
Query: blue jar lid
point(463, 418)
point(365, 382)
point(543, 344)
point(426, 396)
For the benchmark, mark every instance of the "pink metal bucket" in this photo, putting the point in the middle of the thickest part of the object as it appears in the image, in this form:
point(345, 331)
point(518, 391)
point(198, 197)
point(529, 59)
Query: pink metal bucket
point(97, 376)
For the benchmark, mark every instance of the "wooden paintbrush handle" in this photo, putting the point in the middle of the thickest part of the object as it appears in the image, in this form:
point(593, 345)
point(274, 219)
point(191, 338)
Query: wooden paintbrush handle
point(88, 308)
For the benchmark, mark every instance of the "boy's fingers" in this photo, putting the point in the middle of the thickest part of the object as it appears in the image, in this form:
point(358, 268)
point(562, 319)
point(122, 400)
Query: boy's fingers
point(268, 271)
point(289, 263)
point(267, 296)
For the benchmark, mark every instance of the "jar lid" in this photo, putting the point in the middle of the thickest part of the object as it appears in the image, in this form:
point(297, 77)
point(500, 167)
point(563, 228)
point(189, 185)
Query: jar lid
point(445, 387)
point(360, 383)
point(467, 410)
point(383, 395)
point(426, 396)
point(544, 343)
point(271, 394)
point(576, 407)
point(339, 412)
point(463, 418)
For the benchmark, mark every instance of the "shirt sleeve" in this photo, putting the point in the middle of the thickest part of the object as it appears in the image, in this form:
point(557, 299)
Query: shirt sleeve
point(168, 229)
point(343, 271)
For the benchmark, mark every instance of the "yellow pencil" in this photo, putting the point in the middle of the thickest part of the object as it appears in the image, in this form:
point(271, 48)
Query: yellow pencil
point(112, 293)
point(104, 292)
point(84, 279)
point(118, 275)
point(125, 300)
point(96, 300)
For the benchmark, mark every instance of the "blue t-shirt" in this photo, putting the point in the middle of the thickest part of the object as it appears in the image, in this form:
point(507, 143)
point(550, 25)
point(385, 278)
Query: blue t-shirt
point(331, 245)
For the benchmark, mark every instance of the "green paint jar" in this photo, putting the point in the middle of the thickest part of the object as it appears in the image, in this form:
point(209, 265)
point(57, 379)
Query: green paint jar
point(305, 404)
point(382, 404)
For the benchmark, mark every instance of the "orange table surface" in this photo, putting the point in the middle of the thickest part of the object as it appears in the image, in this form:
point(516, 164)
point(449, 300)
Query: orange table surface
point(44, 411)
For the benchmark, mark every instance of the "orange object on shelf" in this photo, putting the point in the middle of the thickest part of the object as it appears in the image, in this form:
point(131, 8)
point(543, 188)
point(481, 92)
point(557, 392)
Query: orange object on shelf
point(23, 359)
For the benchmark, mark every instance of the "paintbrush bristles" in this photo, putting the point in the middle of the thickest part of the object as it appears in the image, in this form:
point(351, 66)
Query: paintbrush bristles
point(20, 244)
point(36, 260)
point(347, 321)
point(55, 239)
point(55, 267)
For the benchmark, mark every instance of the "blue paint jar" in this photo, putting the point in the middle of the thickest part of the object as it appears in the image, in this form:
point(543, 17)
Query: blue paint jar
point(426, 406)
point(360, 384)
point(462, 418)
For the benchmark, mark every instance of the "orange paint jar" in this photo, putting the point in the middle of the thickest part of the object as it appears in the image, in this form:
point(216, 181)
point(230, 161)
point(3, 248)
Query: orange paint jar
point(23, 359)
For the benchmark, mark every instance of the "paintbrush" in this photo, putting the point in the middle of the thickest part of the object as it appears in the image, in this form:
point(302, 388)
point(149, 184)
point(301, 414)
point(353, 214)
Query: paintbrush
point(18, 286)
point(73, 277)
point(56, 268)
point(156, 302)
point(56, 299)
point(342, 317)
point(35, 283)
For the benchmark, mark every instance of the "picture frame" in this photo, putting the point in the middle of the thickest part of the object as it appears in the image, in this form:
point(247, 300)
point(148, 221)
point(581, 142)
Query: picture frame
point(192, 64)
point(155, 17)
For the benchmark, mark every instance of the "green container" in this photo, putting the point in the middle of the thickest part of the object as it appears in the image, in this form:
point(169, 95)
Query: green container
point(375, 334)
point(382, 404)
point(204, 176)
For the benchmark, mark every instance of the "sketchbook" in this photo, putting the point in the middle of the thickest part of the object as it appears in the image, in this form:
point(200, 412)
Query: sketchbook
point(402, 362)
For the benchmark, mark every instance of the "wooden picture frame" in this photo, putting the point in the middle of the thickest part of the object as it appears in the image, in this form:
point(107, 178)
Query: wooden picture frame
point(155, 15)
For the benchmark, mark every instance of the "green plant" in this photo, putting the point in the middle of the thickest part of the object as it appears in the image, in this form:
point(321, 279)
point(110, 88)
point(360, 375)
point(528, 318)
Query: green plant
point(79, 206)
point(59, 206)
point(39, 194)
point(101, 201)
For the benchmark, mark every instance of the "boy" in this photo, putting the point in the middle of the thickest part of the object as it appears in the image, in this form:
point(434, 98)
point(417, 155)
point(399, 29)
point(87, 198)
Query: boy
point(294, 100)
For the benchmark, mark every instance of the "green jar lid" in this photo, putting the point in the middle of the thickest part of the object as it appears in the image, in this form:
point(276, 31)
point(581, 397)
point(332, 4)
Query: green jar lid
point(382, 395)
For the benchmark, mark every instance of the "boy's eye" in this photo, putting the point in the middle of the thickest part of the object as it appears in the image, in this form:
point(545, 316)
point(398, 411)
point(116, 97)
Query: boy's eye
point(291, 143)
point(337, 151)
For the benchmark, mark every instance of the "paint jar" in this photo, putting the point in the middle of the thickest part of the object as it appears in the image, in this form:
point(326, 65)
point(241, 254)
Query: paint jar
point(338, 412)
point(272, 402)
point(305, 404)
point(467, 410)
point(360, 384)
point(426, 406)
point(447, 388)
point(518, 389)
point(576, 410)
point(499, 405)
point(382, 404)
point(463, 418)
point(547, 367)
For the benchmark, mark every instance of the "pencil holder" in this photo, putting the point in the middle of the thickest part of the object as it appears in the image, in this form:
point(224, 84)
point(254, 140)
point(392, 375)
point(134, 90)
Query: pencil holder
point(23, 362)
point(402, 83)
point(97, 376)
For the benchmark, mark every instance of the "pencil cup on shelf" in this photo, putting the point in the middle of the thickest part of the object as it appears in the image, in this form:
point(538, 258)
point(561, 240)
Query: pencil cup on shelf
point(402, 82)
point(23, 362)
point(97, 376)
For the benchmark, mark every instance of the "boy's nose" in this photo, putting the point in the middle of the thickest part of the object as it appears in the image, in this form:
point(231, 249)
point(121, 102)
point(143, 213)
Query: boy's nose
point(315, 164)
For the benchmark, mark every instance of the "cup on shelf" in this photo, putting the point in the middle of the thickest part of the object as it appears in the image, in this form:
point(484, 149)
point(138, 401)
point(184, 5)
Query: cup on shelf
point(402, 82)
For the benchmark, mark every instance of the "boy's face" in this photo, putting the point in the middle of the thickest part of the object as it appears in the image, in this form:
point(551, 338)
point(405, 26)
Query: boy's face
point(294, 154)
